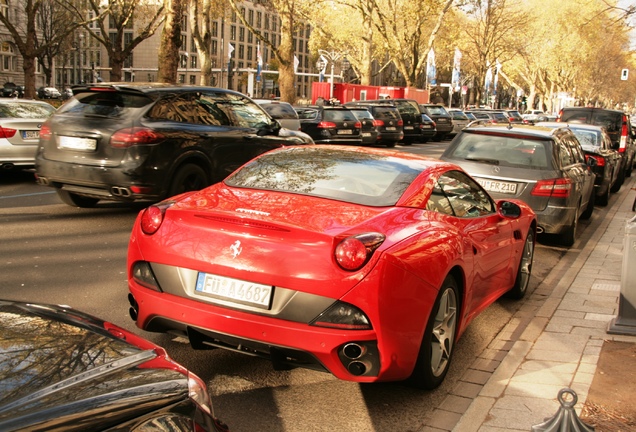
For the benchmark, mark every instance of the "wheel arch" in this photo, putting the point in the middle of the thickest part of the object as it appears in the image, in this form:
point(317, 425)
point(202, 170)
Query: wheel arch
point(193, 157)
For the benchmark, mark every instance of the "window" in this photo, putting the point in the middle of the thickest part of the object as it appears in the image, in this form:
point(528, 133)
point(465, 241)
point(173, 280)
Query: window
point(259, 19)
point(250, 17)
point(241, 34)
point(215, 47)
point(233, 32)
point(241, 52)
point(215, 29)
point(457, 194)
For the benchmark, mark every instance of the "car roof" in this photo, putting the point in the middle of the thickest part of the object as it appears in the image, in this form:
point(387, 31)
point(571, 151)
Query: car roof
point(591, 109)
point(511, 129)
point(570, 125)
point(148, 88)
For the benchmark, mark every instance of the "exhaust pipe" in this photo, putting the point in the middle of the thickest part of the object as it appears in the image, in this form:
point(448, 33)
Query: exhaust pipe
point(353, 351)
point(134, 307)
point(357, 368)
point(121, 192)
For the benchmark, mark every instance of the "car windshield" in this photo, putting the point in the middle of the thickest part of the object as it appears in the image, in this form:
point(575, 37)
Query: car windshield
point(25, 110)
point(357, 177)
point(503, 150)
point(280, 110)
point(458, 115)
point(408, 107)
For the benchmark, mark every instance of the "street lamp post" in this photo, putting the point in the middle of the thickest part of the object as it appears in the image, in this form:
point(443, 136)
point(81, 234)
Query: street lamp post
point(332, 57)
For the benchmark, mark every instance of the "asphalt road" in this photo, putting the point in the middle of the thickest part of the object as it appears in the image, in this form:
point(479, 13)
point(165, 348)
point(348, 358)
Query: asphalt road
point(53, 253)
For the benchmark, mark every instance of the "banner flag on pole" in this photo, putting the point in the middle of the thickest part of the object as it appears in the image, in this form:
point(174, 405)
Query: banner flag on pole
point(456, 78)
point(259, 62)
point(488, 76)
point(296, 63)
point(321, 75)
point(431, 70)
point(230, 50)
point(497, 68)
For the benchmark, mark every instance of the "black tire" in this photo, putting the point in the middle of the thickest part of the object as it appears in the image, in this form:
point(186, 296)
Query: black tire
point(75, 200)
point(189, 177)
point(603, 200)
point(587, 213)
point(568, 236)
point(438, 342)
point(525, 268)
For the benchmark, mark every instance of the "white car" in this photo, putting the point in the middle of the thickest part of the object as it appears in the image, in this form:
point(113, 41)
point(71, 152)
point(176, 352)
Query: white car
point(20, 123)
point(460, 120)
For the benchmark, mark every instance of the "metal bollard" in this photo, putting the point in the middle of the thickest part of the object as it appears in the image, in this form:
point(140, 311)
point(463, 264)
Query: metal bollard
point(625, 322)
point(565, 419)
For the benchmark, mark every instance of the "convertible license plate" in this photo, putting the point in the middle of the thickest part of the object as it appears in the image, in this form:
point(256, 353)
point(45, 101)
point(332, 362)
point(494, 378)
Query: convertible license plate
point(498, 186)
point(31, 134)
point(345, 132)
point(75, 143)
point(235, 290)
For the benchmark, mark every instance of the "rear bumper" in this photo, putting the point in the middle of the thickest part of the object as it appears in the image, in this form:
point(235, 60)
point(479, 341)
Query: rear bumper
point(554, 220)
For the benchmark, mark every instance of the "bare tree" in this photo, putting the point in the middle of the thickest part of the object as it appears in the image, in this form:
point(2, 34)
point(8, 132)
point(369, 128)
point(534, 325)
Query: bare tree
point(170, 41)
point(202, 13)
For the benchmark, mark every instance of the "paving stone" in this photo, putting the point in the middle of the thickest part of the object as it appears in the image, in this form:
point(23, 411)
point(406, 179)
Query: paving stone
point(456, 404)
point(444, 420)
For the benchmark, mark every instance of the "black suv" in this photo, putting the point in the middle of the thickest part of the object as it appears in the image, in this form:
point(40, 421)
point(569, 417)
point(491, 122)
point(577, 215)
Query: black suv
point(330, 124)
point(411, 117)
point(388, 121)
point(145, 142)
point(442, 118)
point(615, 122)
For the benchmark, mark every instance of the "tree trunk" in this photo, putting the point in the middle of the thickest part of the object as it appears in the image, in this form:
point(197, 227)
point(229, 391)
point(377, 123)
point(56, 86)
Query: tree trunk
point(170, 42)
point(286, 75)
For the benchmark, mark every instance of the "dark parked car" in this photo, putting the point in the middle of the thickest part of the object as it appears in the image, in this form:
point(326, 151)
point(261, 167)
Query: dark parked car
point(64, 370)
point(615, 122)
point(145, 142)
point(597, 145)
point(281, 111)
point(429, 128)
point(12, 90)
point(388, 122)
point(368, 130)
point(411, 117)
point(49, 93)
point(496, 117)
point(442, 118)
point(544, 167)
point(330, 124)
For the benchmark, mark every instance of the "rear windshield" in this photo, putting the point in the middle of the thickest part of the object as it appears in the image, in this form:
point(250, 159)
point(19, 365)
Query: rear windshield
point(437, 110)
point(280, 111)
point(515, 115)
point(338, 115)
point(307, 114)
point(363, 114)
point(25, 110)
point(458, 115)
point(589, 139)
point(611, 121)
point(504, 150)
point(386, 113)
point(408, 107)
point(359, 178)
point(104, 103)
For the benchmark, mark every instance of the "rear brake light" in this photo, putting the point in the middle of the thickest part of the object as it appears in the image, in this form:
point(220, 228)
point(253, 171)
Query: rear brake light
point(6, 132)
point(400, 122)
point(152, 217)
point(358, 125)
point(326, 125)
point(45, 132)
point(354, 252)
point(378, 123)
point(624, 135)
point(129, 137)
point(557, 188)
point(600, 161)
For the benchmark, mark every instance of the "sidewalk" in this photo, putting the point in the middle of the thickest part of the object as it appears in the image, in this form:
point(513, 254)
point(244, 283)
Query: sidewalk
point(552, 342)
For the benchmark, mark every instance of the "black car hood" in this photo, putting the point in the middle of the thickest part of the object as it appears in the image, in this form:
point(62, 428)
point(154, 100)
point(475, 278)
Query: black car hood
point(67, 366)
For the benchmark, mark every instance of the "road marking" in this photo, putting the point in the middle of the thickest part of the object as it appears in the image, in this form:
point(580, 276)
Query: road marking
point(26, 195)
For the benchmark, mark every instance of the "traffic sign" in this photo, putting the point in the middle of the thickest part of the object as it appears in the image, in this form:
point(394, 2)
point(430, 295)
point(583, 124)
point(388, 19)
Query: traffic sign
point(624, 74)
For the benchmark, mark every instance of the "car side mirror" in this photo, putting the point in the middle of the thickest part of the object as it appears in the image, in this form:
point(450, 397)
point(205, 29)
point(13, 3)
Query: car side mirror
point(509, 209)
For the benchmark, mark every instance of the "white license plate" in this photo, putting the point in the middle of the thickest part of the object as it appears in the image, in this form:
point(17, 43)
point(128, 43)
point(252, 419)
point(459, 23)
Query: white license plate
point(235, 290)
point(345, 132)
point(425, 126)
point(408, 127)
point(366, 134)
point(498, 186)
point(34, 134)
point(390, 128)
point(75, 143)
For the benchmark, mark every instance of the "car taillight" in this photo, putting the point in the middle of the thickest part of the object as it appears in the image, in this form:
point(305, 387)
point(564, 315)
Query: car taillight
point(557, 188)
point(378, 123)
point(354, 252)
point(624, 136)
point(343, 316)
point(358, 125)
point(45, 132)
point(6, 132)
point(152, 217)
point(400, 122)
point(600, 161)
point(129, 137)
point(326, 125)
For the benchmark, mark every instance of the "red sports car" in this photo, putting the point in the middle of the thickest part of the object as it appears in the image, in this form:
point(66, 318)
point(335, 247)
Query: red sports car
point(365, 263)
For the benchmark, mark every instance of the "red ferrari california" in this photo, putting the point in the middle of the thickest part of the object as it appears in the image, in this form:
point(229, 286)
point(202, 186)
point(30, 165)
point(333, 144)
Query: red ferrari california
point(365, 263)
